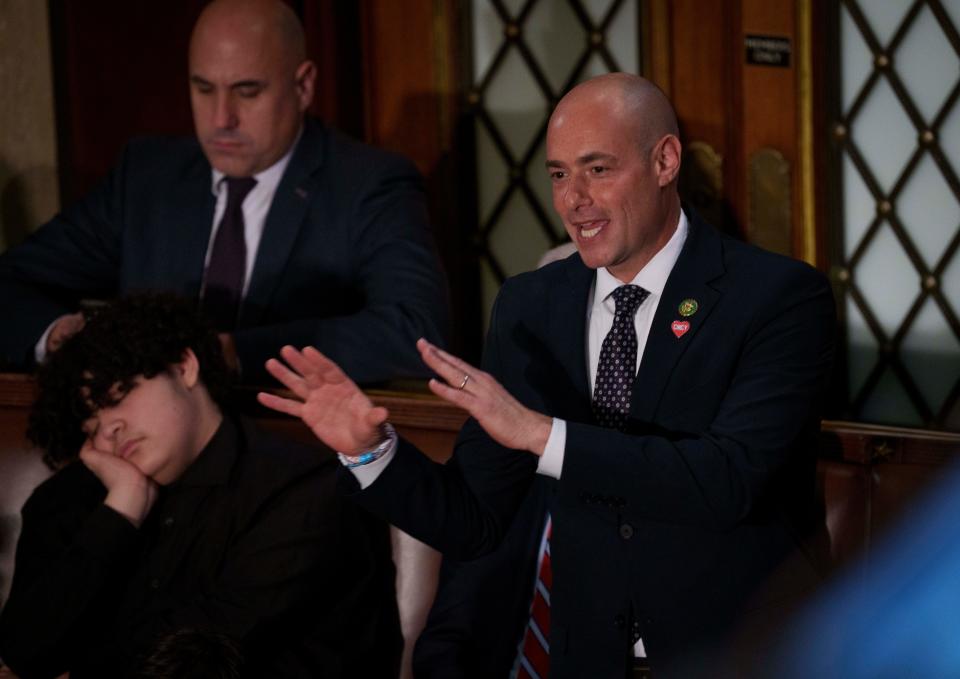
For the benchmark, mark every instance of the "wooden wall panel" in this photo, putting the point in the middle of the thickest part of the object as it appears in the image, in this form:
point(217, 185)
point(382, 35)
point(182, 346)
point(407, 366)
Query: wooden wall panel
point(407, 98)
point(120, 71)
point(700, 83)
point(413, 84)
point(704, 88)
point(332, 31)
point(740, 109)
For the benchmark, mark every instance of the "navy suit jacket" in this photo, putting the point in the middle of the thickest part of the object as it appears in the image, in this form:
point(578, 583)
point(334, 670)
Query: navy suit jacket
point(668, 529)
point(347, 262)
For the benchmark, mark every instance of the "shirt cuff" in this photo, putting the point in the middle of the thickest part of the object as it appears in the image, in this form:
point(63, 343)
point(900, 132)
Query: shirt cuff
point(366, 474)
point(551, 462)
point(40, 349)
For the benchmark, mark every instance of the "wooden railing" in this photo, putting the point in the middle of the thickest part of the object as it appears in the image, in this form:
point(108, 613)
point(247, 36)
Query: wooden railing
point(868, 473)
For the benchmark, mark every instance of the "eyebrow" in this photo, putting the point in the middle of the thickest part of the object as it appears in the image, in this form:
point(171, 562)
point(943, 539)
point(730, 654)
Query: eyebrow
point(248, 83)
point(198, 80)
point(584, 159)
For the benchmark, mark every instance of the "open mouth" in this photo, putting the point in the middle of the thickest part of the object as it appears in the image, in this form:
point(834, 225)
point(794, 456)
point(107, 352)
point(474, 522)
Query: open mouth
point(588, 230)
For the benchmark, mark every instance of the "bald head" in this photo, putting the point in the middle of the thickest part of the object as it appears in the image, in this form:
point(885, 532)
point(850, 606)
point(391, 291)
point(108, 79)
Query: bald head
point(635, 103)
point(250, 83)
point(269, 22)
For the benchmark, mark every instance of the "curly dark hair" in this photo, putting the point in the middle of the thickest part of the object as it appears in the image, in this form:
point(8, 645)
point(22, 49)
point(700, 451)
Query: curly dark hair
point(138, 335)
point(189, 653)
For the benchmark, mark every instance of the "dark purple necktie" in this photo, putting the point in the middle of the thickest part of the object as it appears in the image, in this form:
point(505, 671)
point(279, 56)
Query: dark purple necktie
point(228, 259)
point(617, 366)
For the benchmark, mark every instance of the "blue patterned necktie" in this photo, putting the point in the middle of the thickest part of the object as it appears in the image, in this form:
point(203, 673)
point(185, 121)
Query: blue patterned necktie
point(617, 367)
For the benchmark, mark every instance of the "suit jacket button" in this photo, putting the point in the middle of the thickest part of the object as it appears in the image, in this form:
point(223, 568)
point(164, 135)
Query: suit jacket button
point(619, 622)
point(626, 531)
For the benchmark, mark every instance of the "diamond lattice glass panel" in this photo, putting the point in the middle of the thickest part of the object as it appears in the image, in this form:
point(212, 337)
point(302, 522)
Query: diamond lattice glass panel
point(491, 174)
point(487, 36)
point(517, 242)
point(513, 108)
point(515, 103)
point(884, 17)
point(950, 284)
point(862, 347)
point(597, 9)
point(950, 136)
point(622, 37)
point(928, 67)
point(929, 211)
point(932, 355)
point(857, 60)
point(924, 48)
point(593, 68)
point(889, 403)
point(556, 38)
point(884, 134)
point(858, 207)
point(514, 7)
point(953, 10)
point(539, 180)
point(887, 280)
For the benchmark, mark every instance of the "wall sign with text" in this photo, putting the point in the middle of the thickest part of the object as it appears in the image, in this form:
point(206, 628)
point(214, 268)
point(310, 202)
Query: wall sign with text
point(768, 50)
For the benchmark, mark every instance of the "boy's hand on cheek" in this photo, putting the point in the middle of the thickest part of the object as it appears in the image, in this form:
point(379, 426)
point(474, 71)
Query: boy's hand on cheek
point(129, 492)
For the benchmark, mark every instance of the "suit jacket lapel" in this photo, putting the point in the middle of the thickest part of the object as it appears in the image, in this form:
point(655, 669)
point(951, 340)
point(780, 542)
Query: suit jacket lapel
point(185, 231)
point(700, 262)
point(567, 325)
point(296, 190)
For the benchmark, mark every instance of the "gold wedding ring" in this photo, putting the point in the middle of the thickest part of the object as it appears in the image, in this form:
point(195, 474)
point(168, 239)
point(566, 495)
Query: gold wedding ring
point(466, 378)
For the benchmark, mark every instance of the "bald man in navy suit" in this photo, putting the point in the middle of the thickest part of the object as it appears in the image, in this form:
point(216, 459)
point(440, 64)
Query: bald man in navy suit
point(336, 250)
point(666, 378)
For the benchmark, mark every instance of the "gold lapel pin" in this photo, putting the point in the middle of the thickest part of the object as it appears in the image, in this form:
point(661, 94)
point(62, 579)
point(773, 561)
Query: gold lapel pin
point(688, 307)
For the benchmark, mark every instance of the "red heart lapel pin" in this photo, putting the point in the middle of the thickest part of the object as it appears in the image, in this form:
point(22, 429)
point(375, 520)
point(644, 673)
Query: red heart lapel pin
point(680, 328)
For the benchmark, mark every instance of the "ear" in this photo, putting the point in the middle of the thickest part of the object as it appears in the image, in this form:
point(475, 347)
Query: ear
point(188, 369)
point(666, 156)
point(305, 78)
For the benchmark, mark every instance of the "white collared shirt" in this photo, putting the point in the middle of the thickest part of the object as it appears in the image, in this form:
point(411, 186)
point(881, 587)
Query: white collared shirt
point(600, 313)
point(256, 206)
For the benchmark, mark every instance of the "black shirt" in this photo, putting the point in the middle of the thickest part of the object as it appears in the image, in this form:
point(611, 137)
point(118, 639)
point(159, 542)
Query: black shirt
point(252, 541)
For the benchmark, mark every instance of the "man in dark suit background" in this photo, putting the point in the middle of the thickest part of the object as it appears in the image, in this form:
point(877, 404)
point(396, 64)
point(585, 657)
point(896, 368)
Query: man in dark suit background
point(667, 377)
point(328, 246)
